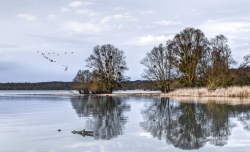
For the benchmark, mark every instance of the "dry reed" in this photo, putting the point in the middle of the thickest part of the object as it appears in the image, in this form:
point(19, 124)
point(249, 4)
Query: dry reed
point(204, 92)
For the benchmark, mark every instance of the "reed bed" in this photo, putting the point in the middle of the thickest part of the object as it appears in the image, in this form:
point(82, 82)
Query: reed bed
point(204, 92)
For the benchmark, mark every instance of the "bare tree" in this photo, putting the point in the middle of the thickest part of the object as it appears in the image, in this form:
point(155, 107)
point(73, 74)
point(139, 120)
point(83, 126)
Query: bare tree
point(220, 62)
point(82, 81)
point(159, 67)
point(110, 64)
point(189, 47)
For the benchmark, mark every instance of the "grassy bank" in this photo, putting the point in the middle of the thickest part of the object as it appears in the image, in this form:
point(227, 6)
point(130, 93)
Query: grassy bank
point(204, 92)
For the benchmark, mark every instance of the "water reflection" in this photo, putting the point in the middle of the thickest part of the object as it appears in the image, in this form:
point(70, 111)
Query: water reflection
point(106, 115)
point(189, 125)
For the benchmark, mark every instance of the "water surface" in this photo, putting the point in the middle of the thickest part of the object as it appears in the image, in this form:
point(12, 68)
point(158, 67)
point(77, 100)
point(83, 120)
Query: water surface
point(29, 123)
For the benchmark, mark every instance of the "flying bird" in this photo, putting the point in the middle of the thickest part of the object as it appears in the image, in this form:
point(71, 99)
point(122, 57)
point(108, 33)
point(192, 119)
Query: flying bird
point(37, 51)
point(65, 52)
point(71, 52)
point(57, 54)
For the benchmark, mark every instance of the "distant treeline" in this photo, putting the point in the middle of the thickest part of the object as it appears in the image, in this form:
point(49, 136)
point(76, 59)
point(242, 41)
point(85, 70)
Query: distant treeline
point(55, 85)
point(36, 86)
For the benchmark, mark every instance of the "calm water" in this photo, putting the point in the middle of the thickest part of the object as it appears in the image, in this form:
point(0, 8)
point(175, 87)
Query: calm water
point(29, 123)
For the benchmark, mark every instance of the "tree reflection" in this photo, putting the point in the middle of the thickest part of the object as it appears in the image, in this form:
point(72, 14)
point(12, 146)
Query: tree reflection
point(192, 125)
point(106, 114)
point(220, 125)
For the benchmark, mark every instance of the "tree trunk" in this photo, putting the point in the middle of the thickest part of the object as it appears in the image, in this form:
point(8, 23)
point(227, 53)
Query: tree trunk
point(80, 91)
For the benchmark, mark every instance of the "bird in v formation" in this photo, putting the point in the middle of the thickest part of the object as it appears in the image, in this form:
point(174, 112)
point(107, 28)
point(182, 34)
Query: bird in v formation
point(66, 67)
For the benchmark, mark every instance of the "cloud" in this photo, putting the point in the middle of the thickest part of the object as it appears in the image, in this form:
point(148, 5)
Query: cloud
point(81, 28)
point(27, 17)
point(88, 12)
point(149, 40)
point(226, 27)
point(118, 9)
point(146, 12)
point(51, 17)
point(167, 22)
point(118, 17)
point(79, 3)
point(65, 10)
point(75, 4)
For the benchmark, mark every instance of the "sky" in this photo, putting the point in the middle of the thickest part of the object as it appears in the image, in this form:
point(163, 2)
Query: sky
point(134, 26)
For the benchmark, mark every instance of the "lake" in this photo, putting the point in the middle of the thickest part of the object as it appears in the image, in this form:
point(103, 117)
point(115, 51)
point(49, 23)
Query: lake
point(30, 123)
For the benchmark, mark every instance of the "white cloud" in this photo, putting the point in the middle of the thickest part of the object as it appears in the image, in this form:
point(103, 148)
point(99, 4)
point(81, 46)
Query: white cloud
point(167, 22)
point(79, 3)
point(27, 17)
point(150, 40)
point(66, 10)
point(88, 12)
point(51, 17)
point(118, 17)
point(75, 4)
point(87, 3)
point(226, 27)
point(146, 12)
point(81, 28)
point(118, 9)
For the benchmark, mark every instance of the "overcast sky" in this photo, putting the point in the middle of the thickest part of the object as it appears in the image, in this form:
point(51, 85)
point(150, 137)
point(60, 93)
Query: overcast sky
point(134, 26)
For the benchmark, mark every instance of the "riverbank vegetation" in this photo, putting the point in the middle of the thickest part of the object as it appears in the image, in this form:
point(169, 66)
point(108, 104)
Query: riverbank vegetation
point(205, 92)
point(189, 60)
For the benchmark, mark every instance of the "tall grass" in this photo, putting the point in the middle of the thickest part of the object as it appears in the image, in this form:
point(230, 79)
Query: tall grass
point(204, 92)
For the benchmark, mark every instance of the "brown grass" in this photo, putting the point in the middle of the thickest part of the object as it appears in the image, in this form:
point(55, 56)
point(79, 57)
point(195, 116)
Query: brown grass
point(204, 92)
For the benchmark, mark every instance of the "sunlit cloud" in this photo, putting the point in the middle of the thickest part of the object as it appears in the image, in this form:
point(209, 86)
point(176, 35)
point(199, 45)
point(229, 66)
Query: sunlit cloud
point(118, 17)
point(226, 27)
point(146, 12)
point(81, 28)
point(167, 22)
point(75, 4)
point(88, 12)
point(149, 40)
point(27, 17)
point(51, 17)
point(65, 10)
point(118, 9)
point(79, 3)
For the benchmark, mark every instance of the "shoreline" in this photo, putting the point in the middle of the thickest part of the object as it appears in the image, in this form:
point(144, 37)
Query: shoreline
point(241, 92)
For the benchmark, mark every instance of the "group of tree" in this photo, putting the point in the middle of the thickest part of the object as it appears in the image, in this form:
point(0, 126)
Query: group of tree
point(193, 60)
point(188, 60)
point(55, 85)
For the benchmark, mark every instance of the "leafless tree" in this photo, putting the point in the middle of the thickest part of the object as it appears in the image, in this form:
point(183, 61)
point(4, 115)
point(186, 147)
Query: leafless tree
point(110, 64)
point(159, 67)
point(190, 47)
point(82, 81)
point(219, 63)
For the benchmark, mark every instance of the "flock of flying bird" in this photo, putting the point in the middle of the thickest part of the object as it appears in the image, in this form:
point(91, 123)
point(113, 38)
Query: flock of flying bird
point(66, 67)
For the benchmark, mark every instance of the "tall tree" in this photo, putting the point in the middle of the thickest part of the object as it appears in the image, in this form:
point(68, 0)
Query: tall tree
point(110, 64)
point(220, 62)
point(159, 67)
point(189, 47)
